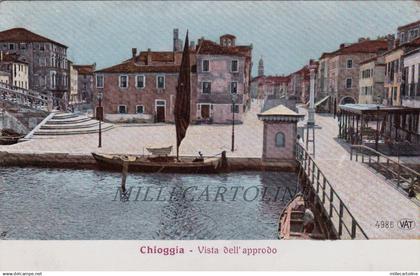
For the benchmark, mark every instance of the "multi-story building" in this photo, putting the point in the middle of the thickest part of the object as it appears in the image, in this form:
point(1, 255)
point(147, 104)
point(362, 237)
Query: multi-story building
point(263, 86)
point(371, 81)
point(85, 84)
point(408, 32)
point(223, 73)
point(298, 85)
point(74, 97)
point(338, 73)
point(47, 59)
point(143, 88)
point(16, 68)
point(412, 79)
point(393, 72)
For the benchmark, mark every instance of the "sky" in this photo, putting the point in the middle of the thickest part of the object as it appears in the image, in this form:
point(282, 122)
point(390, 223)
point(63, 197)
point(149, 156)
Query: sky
point(285, 34)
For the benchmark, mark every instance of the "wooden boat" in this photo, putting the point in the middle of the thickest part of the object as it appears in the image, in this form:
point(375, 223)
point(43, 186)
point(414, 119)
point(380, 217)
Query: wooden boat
point(9, 137)
point(161, 164)
point(9, 140)
point(291, 221)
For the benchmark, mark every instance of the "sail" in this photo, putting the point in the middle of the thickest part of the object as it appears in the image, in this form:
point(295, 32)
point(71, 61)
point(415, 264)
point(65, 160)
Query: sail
point(183, 96)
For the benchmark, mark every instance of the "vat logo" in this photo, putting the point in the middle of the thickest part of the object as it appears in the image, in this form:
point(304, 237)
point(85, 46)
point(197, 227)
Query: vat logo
point(406, 224)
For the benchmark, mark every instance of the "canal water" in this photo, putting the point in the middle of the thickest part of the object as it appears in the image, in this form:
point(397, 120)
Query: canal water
point(38, 203)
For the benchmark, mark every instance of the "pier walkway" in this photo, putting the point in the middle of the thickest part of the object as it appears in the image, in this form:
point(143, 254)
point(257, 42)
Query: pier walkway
point(368, 195)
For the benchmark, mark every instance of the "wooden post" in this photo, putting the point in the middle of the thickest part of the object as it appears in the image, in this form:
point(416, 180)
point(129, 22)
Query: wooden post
point(124, 175)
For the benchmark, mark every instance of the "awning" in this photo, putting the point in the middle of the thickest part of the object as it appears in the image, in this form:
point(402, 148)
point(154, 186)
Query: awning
point(321, 101)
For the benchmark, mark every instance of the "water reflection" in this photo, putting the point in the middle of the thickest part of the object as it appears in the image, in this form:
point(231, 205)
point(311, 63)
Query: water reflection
point(64, 204)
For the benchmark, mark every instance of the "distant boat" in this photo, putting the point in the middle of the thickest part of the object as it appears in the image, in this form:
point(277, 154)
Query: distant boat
point(291, 222)
point(163, 164)
point(9, 137)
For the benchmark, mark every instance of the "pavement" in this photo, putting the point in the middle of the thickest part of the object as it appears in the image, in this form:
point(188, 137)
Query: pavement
point(133, 139)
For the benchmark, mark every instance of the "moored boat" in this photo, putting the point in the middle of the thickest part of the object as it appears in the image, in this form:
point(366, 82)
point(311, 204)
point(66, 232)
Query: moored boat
point(167, 164)
point(291, 222)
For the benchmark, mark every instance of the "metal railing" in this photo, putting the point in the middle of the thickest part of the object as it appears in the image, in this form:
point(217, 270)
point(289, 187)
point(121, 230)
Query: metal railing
point(334, 208)
point(403, 175)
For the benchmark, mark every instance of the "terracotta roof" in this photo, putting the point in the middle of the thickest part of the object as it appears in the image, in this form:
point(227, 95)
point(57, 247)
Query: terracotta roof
point(208, 47)
point(375, 58)
point(409, 25)
point(84, 69)
point(366, 46)
point(23, 35)
point(130, 67)
point(325, 55)
point(12, 58)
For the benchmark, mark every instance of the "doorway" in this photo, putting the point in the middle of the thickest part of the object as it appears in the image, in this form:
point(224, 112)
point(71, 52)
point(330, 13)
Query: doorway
point(160, 111)
point(205, 111)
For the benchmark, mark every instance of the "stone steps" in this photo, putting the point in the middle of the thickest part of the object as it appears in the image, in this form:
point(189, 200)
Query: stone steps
point(70, 124)
point(59, 132)
point(83, 124)
point(74, 120)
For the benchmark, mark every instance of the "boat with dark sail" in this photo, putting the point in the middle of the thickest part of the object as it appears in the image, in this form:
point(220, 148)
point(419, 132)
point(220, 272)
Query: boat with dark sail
point(160, 159)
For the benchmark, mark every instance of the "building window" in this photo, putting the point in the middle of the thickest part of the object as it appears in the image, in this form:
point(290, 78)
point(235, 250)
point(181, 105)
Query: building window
point(53, 80)
point(139, 109)
point(41, 47)
point(123, 81)
point(206, 87)
point(280, 140)
point(234, 108)
point(206, 65)
point(233, 87)
point(234, 66)
point(11, 46)
point(160, 82)
point(140, 81)
point(122, 109)
point(348, 83)
point(99, 81)
point(349, 63)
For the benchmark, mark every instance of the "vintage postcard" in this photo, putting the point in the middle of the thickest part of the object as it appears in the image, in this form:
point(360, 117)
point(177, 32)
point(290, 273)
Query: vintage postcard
point(179, 134)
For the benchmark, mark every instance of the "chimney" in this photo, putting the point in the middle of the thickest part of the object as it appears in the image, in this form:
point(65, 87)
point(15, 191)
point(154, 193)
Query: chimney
point(149, 57)
point(176, 40)
point(134, 53)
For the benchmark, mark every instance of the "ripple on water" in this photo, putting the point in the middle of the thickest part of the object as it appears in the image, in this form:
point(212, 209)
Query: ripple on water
point(79, 204)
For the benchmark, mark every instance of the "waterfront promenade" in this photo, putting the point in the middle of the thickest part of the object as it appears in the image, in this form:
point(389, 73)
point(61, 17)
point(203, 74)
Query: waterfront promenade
point(368, 195)
point(133, 139)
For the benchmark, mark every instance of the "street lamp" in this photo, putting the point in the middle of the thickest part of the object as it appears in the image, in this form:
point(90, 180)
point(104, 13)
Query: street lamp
point(99, 116)
point(234, 97)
